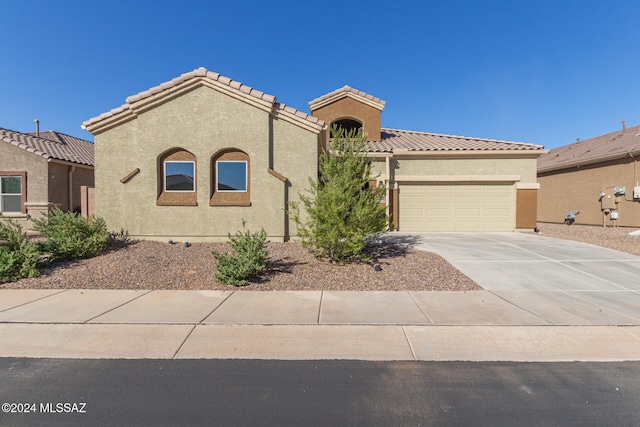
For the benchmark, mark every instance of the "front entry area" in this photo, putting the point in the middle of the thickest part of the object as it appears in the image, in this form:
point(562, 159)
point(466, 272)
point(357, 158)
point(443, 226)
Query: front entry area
point(456, 207)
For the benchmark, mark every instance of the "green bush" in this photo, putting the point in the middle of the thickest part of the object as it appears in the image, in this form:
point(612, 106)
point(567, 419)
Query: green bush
point(247, 258)
point(19, 257)
point(343, 213)
point(70, 236)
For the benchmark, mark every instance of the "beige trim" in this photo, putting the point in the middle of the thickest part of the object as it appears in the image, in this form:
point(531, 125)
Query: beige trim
point(282, 114)
point(589, 161)
point(42, 205)
point(527, 185)
point(457, 178)
point(124, 116)
point(533, 154)
point(277, 175)
point(132, 110)
point(380, 155)
point(66, 163)
point(338, 96)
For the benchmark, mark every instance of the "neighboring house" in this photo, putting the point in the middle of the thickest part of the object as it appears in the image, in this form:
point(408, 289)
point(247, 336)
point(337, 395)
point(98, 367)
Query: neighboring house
point(42, 170)
point(441, 182)
point(198, 156)
point(589, 176)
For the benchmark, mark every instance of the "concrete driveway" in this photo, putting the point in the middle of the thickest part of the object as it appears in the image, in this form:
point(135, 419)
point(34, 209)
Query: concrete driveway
point(562, 281)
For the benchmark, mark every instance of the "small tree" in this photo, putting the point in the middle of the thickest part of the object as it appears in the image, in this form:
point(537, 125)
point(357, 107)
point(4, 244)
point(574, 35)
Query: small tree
point(343, 213)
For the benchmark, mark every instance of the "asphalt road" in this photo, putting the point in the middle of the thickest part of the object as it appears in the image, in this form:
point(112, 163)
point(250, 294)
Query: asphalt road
point(303, 393)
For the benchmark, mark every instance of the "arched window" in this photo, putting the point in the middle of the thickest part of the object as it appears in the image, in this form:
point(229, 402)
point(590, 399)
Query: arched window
point(347, 124)
point(230, 179)
point(177, 185)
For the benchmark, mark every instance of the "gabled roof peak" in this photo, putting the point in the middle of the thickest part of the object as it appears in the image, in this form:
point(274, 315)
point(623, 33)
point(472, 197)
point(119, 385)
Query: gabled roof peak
point(346, 91)
point(187, 81)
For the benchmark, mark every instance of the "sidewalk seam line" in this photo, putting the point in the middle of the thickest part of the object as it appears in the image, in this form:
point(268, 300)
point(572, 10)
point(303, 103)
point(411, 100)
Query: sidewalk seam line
point(320, 307)
point(116, 307)
point(29, 302)
point(420, 308)
point(183, 342)
point(215, 308)
point(413, 353)
point(550, 323)
point(560, 262)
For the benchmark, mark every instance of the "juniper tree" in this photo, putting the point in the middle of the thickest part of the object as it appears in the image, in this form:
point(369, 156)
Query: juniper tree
point(342, 211)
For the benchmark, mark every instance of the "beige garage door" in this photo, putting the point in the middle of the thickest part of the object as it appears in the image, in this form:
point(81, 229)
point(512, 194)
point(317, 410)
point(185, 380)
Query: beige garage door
point(456, 207)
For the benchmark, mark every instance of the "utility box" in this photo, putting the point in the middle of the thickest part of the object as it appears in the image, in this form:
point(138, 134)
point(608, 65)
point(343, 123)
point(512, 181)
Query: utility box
point(636, 192)
point(608, 201)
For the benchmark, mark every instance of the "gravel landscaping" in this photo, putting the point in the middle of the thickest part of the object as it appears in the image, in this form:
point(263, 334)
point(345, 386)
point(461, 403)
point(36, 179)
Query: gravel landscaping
point(157, 265)
point(612, 238)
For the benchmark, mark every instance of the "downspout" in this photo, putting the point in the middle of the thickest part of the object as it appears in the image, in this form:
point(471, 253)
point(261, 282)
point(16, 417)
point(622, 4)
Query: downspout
point(388, 195)
point(70, 190)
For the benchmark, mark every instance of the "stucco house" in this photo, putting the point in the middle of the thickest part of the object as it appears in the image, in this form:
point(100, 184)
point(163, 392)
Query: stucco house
point(194, 157)
point(42, 170)
point(595, 176)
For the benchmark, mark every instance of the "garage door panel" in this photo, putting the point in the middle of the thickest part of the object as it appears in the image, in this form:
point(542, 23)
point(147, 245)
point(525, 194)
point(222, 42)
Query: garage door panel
point(456, 207)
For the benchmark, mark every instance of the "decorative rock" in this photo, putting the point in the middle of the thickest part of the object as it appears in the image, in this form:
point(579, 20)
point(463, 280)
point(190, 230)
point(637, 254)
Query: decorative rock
point(170, 242)
point(186, 244)
point(377, 267)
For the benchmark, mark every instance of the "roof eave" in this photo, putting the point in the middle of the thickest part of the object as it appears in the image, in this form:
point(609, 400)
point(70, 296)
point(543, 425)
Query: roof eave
point(533, 154)
point(589, 161)
point(314, 105)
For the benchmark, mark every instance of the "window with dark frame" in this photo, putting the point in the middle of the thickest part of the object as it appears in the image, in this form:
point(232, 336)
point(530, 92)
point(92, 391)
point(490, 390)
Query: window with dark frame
point(10, 194)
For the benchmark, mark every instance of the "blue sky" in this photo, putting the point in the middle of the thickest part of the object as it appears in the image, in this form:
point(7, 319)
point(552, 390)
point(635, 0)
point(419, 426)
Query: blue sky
point(545, 72)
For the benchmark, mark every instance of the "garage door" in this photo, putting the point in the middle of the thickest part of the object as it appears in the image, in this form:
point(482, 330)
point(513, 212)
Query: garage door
point(456, 207)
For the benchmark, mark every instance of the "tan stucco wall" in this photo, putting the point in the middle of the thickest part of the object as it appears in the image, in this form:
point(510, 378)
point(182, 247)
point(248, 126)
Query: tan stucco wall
point(524, 168)
point(15, 159)
point(203, 122)
point(579, 188)
point(351, 109)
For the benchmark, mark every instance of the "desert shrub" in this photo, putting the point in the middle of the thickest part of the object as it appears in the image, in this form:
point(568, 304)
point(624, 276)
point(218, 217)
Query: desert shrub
point(247, 258)
point(342, 213)
point(70, 236)
point(19, 257)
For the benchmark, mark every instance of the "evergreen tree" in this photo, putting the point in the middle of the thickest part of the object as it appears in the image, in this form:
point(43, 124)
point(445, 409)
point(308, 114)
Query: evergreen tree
point(342, 212)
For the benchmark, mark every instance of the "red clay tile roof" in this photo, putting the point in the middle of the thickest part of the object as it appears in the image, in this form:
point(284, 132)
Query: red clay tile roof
point(51, 145)
point(202, 73)
point(401, 140)
point(340, 93)
point(594, 150)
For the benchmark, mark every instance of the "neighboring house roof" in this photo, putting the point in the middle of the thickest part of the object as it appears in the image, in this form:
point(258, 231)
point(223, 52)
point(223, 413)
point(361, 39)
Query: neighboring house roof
point(610, 146)
point(345, 92)
point(51, 145)
point(187, 81)
point(396, 140)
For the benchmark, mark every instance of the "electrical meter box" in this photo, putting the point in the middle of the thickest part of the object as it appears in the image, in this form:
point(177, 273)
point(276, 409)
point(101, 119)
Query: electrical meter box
point(636, 192)
point(608, 201)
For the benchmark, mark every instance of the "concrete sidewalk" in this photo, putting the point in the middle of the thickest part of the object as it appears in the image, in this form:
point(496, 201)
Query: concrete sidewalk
point(403, 325)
